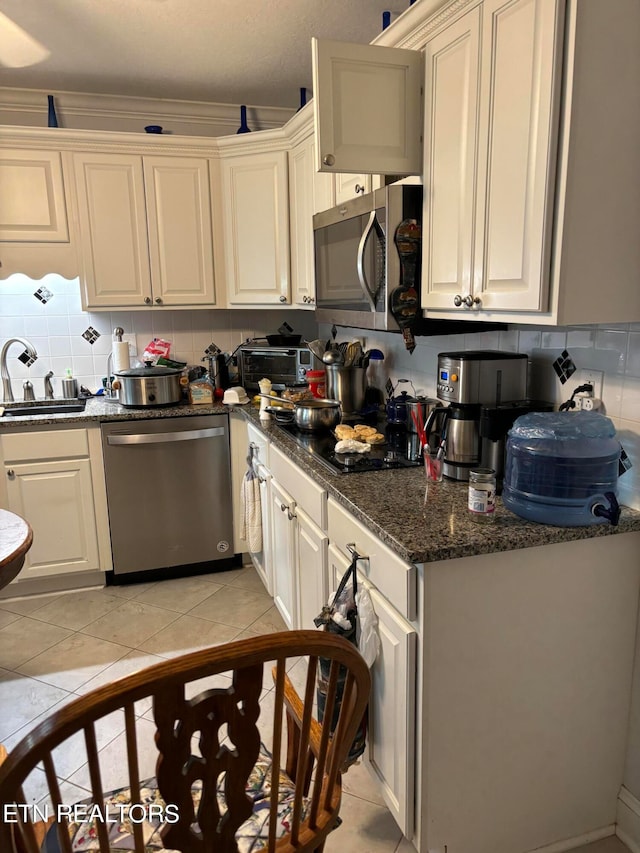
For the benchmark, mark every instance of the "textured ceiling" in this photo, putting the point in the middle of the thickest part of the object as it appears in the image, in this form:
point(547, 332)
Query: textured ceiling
point(228, 51)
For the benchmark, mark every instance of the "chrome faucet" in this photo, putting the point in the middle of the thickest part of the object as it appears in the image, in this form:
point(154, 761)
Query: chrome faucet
point(48, 387)
point(7, 393)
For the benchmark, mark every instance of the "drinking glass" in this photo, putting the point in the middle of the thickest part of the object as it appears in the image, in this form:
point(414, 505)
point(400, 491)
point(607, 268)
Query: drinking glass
point(432, 464)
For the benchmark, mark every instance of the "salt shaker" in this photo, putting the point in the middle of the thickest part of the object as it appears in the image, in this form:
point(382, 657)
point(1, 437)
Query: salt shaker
point(265, 388)
point(482, 494)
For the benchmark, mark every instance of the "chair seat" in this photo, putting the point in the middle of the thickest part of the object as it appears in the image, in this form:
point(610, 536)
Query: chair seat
point(252, 836)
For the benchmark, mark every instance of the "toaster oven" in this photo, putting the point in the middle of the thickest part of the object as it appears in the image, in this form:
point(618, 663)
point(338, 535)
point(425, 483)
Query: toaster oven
point(285, 366)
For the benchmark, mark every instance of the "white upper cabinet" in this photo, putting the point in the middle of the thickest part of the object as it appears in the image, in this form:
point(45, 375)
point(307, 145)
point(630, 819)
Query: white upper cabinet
point(145, 230)
point(367, 108)
point(255, 220)
point(486, 211)
point(301, 210)
point(35, 237)
point(32, 198)
point(532, 127)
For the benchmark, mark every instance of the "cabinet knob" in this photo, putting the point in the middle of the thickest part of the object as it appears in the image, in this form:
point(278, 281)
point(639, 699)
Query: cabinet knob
point(158, 300)
point(147, 300)
point(283, 299)
point(283, 507)
point(11, 473)
point(457, 300)
point(328, 159)
point(359, 188)
point(470, 301)
point(290, 515)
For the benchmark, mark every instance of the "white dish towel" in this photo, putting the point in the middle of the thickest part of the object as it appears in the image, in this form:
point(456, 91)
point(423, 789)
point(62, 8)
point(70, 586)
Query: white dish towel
point(251, 530)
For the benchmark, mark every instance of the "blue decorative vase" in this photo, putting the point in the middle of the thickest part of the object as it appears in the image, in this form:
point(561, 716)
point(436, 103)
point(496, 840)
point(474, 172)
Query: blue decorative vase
point(386, 20)
point(303, 97)
point(244, 127)
point(52, 118)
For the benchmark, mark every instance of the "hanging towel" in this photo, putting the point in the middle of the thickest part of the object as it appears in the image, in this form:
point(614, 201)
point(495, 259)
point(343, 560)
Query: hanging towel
point(251, 530)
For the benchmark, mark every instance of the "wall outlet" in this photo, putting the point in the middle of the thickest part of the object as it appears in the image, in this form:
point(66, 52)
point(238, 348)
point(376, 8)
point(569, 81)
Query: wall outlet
point(595, 377)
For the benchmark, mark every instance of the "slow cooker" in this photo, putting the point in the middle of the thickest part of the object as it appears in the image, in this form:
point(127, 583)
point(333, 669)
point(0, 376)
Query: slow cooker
point(149, 386)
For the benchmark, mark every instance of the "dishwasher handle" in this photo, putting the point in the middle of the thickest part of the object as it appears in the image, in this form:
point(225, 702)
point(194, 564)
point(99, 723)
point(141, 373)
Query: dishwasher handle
point(160, 437)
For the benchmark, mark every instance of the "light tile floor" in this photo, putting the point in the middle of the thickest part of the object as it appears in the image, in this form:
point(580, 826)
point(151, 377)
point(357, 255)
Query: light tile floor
point(54, 648)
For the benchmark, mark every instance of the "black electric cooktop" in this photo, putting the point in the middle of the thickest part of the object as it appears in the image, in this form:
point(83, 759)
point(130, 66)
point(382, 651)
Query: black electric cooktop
point(400, 450)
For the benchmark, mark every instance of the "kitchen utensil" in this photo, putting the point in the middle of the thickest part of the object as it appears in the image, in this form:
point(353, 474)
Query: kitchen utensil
point(348, 385)
point(317, 347)
point(312, 415)
point(333, 357)
point(148, 387)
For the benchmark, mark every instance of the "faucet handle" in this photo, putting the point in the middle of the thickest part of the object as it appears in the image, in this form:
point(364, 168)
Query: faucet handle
point(27, 387)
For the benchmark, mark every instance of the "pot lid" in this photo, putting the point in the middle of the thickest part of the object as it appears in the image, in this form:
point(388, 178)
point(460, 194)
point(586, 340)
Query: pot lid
point(148, 371)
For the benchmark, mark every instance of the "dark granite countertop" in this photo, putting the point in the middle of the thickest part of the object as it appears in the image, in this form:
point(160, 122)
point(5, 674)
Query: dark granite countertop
point(419, 524)
point(99, 409)
point(426, 525)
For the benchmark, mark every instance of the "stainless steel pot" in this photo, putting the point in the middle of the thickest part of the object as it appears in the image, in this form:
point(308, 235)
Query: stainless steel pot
point(148, 387)
point(310, 415)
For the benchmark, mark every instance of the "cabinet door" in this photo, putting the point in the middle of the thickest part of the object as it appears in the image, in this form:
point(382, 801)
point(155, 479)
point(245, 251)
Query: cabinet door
point(283, 554)
point(392, 709)
point(451, 104)
point(350, 186)
point(57, 498)
point(367, 108)
point(311, 566)
point(516, 153)
point(180, 235)
point(256, 227)
point(32, 201)
point(263, 562)
point(301, 198)
point(113, 230)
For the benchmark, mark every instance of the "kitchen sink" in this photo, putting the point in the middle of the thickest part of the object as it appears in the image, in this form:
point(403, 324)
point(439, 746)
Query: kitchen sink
point(51, 407)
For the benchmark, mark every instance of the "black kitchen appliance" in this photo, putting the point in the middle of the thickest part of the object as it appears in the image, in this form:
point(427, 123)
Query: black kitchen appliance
point(286, 366)
point(395, 453)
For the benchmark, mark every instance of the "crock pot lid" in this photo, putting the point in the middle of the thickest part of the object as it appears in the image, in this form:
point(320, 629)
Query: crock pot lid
point(148, 371)
point(563, 426)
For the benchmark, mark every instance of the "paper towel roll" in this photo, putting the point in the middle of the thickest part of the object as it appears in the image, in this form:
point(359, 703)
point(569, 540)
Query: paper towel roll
point(120, 356)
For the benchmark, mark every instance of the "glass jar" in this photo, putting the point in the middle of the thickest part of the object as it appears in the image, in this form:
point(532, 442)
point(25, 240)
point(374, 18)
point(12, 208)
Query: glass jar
point(482, 494)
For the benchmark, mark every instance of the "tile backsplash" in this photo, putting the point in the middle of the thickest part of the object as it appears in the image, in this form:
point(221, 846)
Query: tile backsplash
point(612, 349)
point(49, 314)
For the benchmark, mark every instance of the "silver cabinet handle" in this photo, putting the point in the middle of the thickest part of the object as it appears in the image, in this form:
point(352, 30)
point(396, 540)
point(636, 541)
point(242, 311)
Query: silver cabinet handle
point(283, 507)
point(470, 301)
point(158, 300)
point(283, 299)
point(290, 515)
point(147, 300)
point(305, 298)
point(359, 188)
point(162, 437)
point(11, 473)
point(457, 300)
point(328, 159)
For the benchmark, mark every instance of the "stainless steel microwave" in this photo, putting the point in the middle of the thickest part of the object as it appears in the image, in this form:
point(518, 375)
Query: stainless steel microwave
point(284, 366)
point(357, 265)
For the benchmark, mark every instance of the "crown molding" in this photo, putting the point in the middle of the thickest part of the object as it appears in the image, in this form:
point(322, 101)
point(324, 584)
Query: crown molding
point(413, 29)
point(74, 107)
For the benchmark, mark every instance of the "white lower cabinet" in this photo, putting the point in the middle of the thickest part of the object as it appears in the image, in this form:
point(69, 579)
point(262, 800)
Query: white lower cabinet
point(311, 559)
point(392, 708)
point(263, 561)
point(283, 553)
point(53, 480)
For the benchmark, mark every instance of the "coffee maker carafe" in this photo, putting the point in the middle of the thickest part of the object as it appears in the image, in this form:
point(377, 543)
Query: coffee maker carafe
point(467, 381)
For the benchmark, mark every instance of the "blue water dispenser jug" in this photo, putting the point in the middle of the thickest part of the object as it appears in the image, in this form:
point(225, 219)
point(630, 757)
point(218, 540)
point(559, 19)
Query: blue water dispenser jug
point(562, 469)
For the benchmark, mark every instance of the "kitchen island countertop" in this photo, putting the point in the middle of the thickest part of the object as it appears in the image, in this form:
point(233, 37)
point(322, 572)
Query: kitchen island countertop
point(419, 524)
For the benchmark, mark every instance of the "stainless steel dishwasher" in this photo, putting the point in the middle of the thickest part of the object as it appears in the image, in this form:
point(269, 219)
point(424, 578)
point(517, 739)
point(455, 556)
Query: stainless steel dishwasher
point(169, 496)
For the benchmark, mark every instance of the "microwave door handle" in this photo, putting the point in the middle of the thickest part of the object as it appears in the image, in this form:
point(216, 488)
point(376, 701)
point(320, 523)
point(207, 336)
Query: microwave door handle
point(364, 284)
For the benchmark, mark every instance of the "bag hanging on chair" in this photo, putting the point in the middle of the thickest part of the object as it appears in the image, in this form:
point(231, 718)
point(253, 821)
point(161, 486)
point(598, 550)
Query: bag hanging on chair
point(340, 617)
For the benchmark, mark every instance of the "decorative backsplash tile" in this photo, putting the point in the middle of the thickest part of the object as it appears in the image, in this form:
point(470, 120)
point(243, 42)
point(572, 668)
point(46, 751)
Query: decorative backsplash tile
point(26, 359)
point(43, 294)
point(91, 335)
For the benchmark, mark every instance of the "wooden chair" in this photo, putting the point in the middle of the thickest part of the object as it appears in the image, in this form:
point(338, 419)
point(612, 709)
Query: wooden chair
point(206, 779)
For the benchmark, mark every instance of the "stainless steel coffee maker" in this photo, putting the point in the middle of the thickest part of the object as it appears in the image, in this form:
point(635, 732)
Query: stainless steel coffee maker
point(467, 381)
